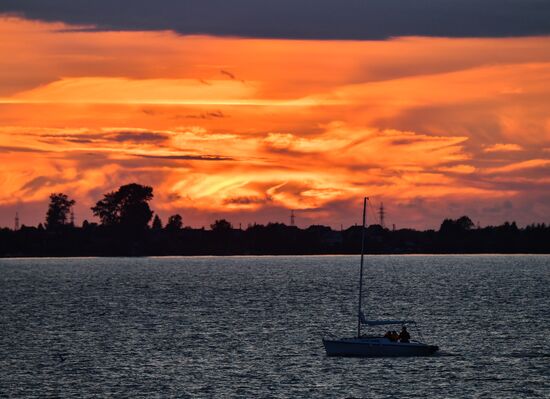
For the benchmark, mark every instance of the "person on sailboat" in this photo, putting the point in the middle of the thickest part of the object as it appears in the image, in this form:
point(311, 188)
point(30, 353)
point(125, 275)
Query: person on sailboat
point(391, 335)
point(404, 336)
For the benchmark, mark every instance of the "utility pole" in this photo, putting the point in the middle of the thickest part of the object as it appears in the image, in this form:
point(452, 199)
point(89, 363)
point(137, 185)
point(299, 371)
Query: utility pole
point(16, 224)
point(72, 218)
point(382, 214)
point(292, 218)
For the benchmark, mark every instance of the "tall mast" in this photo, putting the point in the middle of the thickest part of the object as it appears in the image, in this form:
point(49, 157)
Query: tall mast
point(361, 270)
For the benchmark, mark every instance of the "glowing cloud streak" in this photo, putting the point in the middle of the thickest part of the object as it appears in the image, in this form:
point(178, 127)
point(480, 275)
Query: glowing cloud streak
point(247, 129)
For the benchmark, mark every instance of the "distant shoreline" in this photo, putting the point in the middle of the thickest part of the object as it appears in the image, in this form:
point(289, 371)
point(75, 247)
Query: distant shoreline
point(94, 240)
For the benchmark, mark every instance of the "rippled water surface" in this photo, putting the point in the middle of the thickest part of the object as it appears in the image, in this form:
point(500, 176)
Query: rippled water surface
point(251, 327)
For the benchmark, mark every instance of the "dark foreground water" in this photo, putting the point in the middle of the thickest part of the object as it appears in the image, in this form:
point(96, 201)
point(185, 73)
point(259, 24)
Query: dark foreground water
point(251, 327)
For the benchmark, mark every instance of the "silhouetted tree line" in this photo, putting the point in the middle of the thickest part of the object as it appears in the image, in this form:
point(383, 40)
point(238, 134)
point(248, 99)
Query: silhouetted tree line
point(128, 227)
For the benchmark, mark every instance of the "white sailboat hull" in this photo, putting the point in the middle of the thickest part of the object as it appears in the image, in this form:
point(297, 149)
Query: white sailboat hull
point(376, 347)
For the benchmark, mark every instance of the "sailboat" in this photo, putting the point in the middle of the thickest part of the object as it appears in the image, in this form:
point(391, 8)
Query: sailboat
point(375, 345)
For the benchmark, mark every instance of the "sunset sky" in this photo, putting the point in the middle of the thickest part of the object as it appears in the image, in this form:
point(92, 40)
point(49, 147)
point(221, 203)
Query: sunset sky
point(242, 117)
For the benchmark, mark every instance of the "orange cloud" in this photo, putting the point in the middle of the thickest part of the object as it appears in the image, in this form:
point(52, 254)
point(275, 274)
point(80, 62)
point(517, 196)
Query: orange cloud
point(517, 166)
point(251, 128)
point(499, 147)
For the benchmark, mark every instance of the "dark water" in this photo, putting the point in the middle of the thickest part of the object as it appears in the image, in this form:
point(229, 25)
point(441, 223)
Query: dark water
point(251, 327)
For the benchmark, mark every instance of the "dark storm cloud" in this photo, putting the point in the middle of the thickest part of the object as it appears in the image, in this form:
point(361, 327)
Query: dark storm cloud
point(7, 148)
point(138, 137)
point(42, 181)
point(204, 115)
point(118, 137)
point(228, 74)
point(247, 200)
point(406, 141)
point(305, 19)
point(36, 183)
point(189, 157)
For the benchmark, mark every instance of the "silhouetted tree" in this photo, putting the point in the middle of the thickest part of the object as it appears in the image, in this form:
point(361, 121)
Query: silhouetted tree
point(127, 207)
point(108, 209)
point(175, 222)
point(58, 211)
point(510, 226)
point(221, 225)
point(450, 226)
point(157, 223)
point(465, 223)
